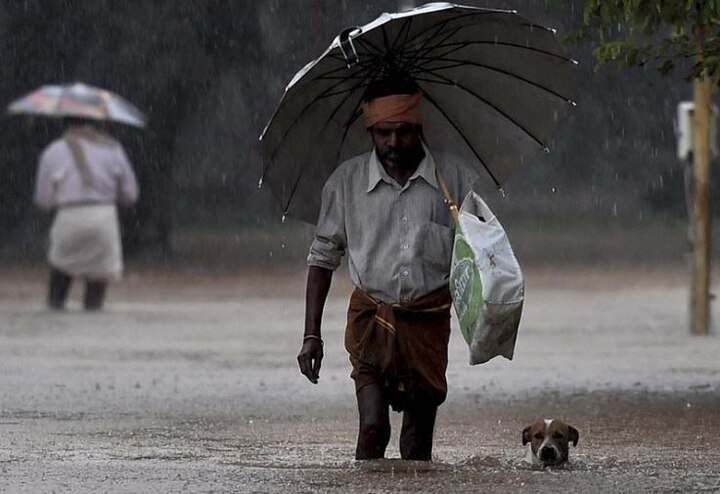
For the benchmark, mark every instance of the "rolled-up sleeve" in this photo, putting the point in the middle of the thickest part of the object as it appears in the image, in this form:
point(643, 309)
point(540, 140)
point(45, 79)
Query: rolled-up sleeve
point(328, 246)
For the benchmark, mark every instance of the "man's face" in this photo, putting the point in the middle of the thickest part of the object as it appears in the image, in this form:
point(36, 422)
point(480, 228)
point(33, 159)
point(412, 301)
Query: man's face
point(398, 144)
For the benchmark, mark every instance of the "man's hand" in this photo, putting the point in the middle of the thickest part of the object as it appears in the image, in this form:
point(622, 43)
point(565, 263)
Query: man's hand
point(311, 353)
point(309, 359)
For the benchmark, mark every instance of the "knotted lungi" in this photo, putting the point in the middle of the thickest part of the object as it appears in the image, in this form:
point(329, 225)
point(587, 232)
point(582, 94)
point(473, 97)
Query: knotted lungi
point(402, 347)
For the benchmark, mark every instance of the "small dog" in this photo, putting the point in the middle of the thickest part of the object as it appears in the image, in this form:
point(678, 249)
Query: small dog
point(547, 441)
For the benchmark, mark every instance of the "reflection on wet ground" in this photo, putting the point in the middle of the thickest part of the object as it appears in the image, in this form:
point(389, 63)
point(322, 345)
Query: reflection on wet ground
point(646, 442)
point(197, 390)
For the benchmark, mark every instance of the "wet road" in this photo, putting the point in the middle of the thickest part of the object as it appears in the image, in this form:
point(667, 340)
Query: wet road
point(189, 383)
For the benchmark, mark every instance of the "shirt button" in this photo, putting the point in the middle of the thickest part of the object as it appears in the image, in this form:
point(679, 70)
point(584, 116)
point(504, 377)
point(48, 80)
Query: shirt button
point(404, 219)
point(405, 273)
point(404, 246)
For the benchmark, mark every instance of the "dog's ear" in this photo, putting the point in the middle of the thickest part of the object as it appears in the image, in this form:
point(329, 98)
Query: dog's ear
point(574, 435)
point(526, 435)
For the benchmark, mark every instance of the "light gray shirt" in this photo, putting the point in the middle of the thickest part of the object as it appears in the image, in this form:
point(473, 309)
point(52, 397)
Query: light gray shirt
point(59, 178)
point(398, 239)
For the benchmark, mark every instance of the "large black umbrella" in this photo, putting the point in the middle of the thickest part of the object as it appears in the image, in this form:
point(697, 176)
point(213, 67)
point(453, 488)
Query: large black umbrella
point(495, 86)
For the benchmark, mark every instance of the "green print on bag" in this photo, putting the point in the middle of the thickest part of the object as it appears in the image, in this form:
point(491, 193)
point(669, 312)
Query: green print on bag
point(465, 286)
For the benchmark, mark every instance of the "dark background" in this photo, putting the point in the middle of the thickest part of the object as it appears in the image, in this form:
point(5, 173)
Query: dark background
point(208, 75)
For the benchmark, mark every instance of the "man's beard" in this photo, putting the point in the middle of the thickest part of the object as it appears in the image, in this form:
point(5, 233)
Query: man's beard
point(400, 157)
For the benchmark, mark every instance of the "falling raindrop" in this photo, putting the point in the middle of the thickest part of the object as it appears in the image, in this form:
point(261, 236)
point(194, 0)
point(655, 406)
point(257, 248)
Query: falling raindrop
point(260, 183)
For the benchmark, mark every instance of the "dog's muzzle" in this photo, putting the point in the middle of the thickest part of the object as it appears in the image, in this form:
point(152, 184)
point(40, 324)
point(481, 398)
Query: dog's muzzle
point(549, 454)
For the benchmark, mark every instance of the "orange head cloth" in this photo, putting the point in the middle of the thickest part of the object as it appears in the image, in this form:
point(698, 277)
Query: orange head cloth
point(393, 108)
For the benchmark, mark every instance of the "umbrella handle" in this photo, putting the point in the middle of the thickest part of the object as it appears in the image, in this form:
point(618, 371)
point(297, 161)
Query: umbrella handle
point(347, 47)
point(451, 204)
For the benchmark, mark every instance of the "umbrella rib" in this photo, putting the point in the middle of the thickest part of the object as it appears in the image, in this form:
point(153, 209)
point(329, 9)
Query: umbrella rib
point(403, 45)
point(358, 74)
point(438, 30)
point(405, 29)
point(351, 120)
point(376, 54)
point(460, 45)
point(493, 106)
point(349, 94)
point(347, 126)
point(300, 114)
point(439, 26)
point(427, 49)
point(465, 63)
point(462, 136)
point(292, 192)
point(305, 109)
point(362, 63)
point(457, 62)
point(385, 38)
point(373, 50)
point(353, 117)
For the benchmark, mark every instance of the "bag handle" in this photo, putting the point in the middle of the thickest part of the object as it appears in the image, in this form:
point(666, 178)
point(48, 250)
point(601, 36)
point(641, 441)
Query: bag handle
point(449, 202)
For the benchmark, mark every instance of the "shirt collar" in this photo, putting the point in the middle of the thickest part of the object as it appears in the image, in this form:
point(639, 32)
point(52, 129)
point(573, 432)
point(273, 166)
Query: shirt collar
point(425, 170)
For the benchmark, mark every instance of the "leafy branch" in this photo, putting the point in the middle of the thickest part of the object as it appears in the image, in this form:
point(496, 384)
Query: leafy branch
point(663, 33)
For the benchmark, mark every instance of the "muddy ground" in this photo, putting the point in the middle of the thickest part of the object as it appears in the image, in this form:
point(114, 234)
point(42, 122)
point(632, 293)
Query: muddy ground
point(188, 383)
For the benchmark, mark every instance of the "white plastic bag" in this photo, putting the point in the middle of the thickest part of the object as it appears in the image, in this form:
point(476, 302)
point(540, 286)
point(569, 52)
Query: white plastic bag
point(486, 282)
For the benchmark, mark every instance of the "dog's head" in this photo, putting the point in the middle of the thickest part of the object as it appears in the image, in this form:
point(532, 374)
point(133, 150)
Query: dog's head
point(549, 440)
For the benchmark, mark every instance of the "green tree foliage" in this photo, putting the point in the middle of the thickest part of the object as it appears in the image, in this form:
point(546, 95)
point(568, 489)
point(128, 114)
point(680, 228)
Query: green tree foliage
point(665, 33)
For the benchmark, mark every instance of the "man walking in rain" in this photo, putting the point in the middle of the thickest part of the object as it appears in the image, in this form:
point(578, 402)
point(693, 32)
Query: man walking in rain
point(385, 211)
point(83, 175)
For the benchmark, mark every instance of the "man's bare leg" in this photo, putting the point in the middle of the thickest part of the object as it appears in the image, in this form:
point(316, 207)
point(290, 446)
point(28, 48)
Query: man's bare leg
point(416, 436)
point(374, 433)
point(58, 288)
point(94, 294)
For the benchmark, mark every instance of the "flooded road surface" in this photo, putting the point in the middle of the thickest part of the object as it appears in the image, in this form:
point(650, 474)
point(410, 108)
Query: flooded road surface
point(189, 384)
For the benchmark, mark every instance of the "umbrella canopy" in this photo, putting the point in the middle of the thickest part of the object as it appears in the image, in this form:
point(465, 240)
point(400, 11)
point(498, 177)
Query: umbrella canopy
point(78, 100)
point(495, 86)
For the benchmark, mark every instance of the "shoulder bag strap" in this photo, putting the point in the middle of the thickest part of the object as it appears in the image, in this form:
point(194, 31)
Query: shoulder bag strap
point(451, 204)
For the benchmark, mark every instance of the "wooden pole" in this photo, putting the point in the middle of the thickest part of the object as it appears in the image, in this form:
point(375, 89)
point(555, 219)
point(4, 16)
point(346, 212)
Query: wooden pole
point(700, 221)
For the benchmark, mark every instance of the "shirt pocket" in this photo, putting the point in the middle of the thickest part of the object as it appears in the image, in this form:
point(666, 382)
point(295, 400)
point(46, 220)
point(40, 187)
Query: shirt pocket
point(437, 242)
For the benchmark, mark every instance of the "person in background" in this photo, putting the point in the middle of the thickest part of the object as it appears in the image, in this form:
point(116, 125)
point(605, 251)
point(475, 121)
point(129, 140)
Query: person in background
point(386, 212)
point(83, 176)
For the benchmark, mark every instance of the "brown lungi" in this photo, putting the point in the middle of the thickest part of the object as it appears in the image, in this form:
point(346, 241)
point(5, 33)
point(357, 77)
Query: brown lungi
point(404, 348)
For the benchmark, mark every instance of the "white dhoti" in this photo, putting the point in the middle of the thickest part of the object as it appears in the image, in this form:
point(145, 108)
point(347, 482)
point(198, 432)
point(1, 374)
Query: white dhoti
point(85, 242)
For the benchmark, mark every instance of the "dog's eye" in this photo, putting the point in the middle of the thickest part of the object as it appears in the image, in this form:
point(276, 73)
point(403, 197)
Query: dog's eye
point(539, 435)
